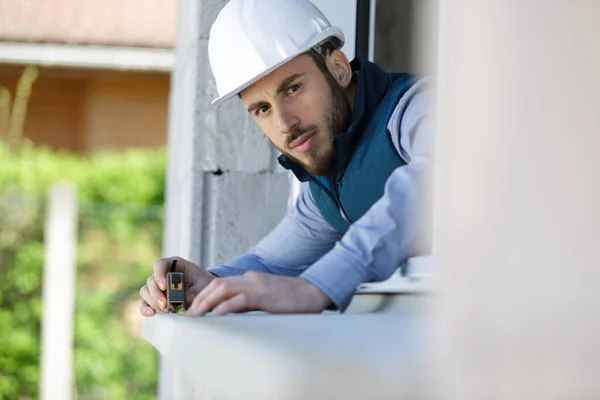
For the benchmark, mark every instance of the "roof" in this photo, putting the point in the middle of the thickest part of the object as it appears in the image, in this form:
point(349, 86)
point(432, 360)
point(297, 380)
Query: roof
point(148, 23)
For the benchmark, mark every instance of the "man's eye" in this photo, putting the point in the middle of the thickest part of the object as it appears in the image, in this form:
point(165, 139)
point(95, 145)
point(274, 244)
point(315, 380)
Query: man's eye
point(262, 110)
point(293, 88)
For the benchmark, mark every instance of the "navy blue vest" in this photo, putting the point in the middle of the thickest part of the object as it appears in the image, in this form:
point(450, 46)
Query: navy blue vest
point(364, 155)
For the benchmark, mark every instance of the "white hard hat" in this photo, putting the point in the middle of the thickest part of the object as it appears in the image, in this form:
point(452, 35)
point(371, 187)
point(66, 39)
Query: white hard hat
point(251, 38)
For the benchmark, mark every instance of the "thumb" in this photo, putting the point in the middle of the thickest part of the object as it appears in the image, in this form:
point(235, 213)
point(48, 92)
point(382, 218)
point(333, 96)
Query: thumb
point(161, 267)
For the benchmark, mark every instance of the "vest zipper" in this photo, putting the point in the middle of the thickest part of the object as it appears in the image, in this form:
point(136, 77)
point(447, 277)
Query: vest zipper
point(338, 201)
point(334, 197)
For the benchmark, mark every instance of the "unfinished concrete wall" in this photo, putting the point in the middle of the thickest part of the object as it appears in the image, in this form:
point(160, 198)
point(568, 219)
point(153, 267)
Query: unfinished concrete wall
point(224, 188)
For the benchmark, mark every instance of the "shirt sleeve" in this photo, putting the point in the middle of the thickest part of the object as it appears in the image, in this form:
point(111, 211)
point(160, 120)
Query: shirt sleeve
point(297, 242)
point(397, 226)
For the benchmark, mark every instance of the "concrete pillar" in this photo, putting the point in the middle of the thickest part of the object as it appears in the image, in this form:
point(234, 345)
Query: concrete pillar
point(218, 160)
point(224, 188)
point(518, 190)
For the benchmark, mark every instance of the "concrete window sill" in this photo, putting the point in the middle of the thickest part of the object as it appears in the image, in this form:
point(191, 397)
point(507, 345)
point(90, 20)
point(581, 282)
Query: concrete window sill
point(375, 350)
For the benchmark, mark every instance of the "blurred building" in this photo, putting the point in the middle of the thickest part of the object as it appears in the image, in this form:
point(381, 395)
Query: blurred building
point(104, 70)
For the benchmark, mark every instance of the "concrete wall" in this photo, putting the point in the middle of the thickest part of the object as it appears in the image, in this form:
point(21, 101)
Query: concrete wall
point(225, 190)
point(86, 111)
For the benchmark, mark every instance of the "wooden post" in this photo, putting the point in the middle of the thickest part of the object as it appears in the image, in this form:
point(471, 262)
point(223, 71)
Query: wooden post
point(59, 293)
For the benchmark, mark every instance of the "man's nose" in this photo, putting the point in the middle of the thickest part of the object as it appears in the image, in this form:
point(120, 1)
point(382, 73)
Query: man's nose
point(287, 119)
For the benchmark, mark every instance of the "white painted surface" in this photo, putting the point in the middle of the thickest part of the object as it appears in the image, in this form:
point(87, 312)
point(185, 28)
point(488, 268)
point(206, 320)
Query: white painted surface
point(341, 13)
point(103, 57)
point(263, 357)
point(517, 204)
point(58, 295)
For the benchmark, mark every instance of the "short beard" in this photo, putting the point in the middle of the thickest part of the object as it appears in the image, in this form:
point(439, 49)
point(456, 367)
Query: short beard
point(338, 117)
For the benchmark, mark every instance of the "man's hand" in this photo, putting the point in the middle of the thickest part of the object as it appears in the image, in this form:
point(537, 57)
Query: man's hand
point(259, 291)
point(152, 294)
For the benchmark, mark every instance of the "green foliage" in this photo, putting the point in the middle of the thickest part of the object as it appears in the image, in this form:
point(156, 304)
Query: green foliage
point(120, 227)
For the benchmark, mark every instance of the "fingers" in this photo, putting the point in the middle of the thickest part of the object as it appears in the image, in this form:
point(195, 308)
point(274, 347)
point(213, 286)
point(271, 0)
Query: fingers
point(158, 300)
point(217, 291)
point(145, 295)
point(194, 274)
point(191, 294)
point(196, 279)
point(237, 304)
point(152, 295)
point(145, 309)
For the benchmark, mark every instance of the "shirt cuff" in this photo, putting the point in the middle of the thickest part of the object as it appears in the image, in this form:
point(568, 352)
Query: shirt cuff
point(238, 266)
point(337, 275)
point(223, 271)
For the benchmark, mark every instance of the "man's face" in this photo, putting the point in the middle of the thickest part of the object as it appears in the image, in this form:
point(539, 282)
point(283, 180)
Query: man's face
point(300, 109)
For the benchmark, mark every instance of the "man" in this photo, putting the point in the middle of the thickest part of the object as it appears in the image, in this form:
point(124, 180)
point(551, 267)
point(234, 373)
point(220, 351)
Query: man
point(357, 137)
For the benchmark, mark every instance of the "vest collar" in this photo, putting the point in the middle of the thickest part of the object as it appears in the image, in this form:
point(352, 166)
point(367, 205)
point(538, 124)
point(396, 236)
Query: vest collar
point(371, 85)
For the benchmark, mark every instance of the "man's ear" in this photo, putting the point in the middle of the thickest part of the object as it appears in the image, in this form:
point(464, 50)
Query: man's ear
point(339, 67)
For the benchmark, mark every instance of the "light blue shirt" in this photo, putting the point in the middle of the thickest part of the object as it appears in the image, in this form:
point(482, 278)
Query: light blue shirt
point(303, 244)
